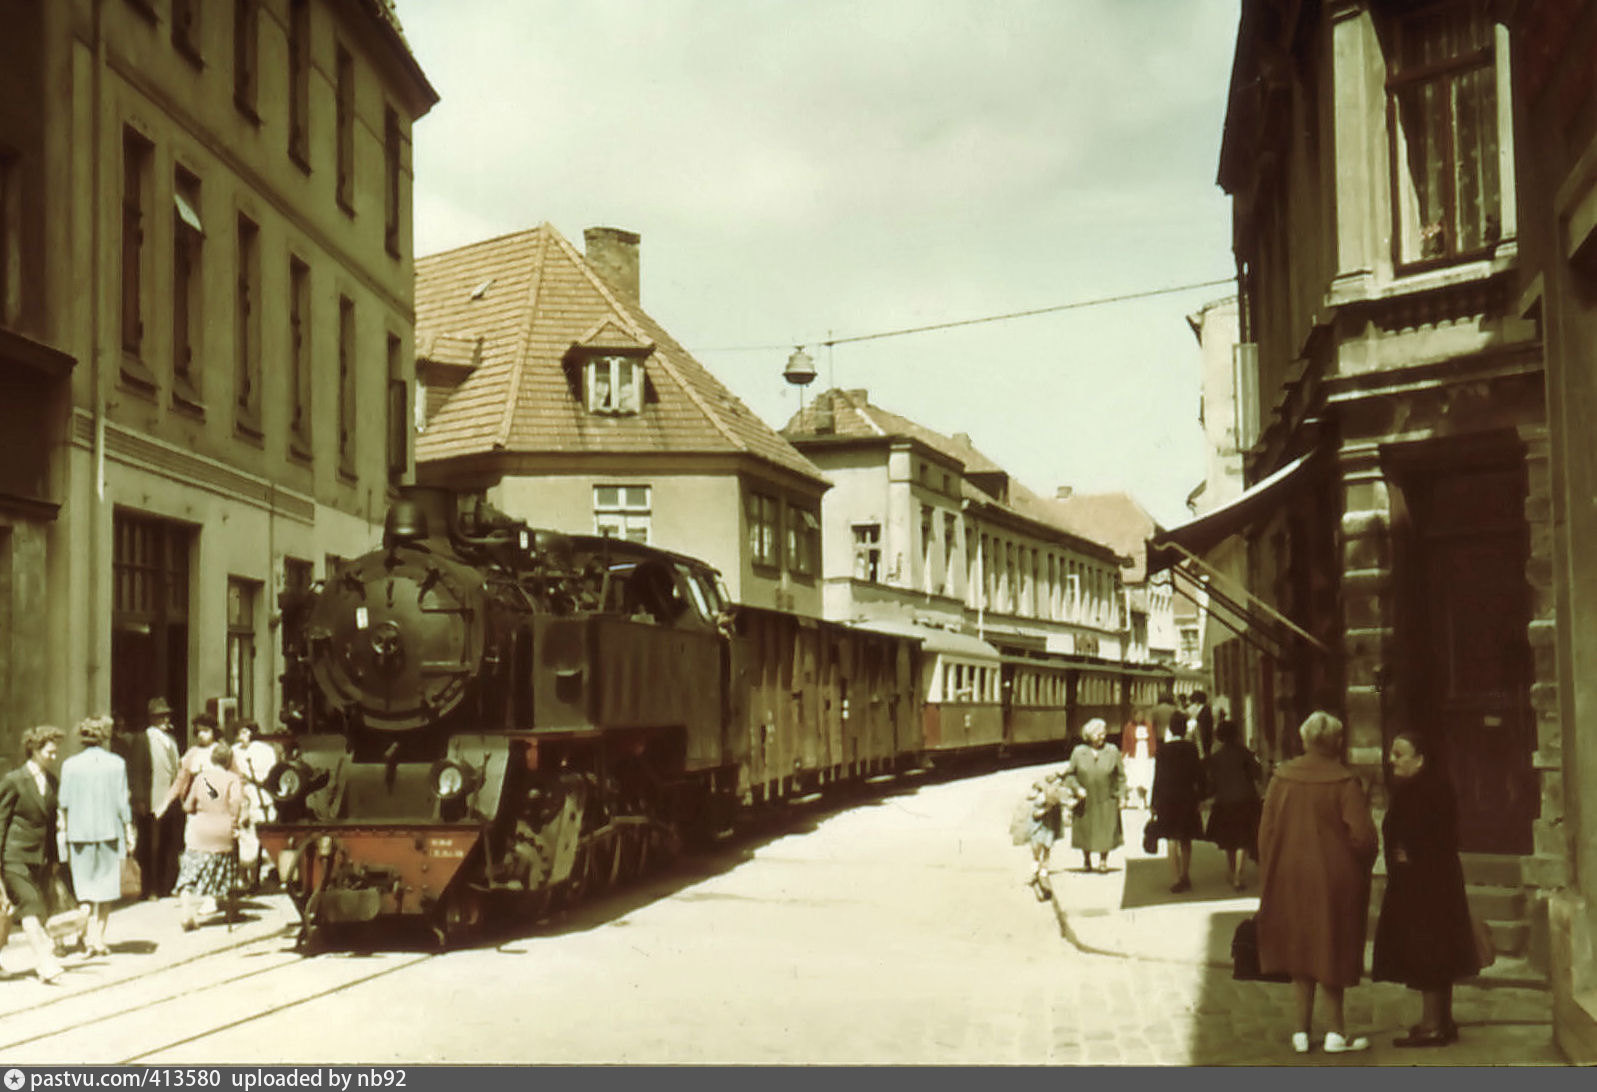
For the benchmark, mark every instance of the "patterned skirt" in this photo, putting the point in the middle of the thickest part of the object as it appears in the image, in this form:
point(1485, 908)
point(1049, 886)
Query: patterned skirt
point(207, 874)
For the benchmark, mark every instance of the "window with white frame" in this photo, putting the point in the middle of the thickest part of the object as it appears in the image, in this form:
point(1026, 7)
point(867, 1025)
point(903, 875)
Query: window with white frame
point(762, 520)
point(1443, 91)
point(803, 540)
point(868, 552)
point(613, 385)
point(622, 511)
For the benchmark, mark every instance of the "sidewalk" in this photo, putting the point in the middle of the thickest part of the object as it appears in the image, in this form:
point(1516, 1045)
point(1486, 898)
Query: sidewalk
point(144, 937)
point(1505, 1014)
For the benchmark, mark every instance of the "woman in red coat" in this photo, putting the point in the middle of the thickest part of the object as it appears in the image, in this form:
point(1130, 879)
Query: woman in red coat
point(1316, 847)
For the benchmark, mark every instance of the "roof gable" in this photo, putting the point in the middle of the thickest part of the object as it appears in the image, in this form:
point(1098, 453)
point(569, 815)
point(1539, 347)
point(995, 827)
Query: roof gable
point(531, 298)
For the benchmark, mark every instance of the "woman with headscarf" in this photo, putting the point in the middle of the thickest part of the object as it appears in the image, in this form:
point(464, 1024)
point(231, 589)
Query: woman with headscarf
point(96, 826)
point(1096, 780)
point(28, 841)
point(1316, 846)
point(1178, 788)
point(208, 869)
point(1424, 937)
point(1234, 784)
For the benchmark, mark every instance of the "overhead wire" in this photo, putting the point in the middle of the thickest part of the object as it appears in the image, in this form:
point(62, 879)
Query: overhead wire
point(1075, 305)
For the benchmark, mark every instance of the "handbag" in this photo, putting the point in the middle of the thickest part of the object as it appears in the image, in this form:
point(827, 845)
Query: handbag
point(132, 879)
point(1245, 955)
point(1150, 836)
point(1485, 947)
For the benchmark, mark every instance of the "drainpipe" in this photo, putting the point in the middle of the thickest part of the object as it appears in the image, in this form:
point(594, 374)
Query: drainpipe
point(97, 624)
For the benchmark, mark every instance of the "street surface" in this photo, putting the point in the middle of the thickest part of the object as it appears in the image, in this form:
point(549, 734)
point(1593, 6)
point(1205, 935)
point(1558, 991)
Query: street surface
point(898, 931)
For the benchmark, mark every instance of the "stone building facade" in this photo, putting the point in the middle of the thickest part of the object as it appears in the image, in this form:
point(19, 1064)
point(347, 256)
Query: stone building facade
point(1555, 97)
point(1404, 533)
point(205, 266)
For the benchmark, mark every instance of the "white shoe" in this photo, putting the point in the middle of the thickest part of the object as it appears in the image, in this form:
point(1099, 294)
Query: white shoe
point(1336, 1044)
point(1300, 1042)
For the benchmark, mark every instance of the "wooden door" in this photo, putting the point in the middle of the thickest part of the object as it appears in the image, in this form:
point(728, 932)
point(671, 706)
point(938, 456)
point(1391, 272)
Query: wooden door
point(1472, 604)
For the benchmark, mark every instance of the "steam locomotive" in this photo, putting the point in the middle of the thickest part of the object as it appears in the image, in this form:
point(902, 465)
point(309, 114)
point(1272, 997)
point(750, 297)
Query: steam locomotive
point(488, 720)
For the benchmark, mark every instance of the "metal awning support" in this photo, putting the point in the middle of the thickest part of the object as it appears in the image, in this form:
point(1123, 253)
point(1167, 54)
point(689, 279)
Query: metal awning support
point(1243, 632)
point(1248, 597)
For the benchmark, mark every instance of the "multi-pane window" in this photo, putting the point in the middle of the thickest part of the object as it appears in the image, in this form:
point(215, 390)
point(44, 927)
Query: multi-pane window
point(398, 414)
point(614, 385)
point(803, 540)
point(299, 378)
point(346, 386)
point(762, 520)
point(928, 526)
point(1443, 89)
point(187, 277)
point(950, 527)
point(344, 125)
point(299, 81)
point(622, 511)
point(391, 139)
point(136, 155)
point(868, 552)
point(247, 329)
point(246, 54)
point(241, 598)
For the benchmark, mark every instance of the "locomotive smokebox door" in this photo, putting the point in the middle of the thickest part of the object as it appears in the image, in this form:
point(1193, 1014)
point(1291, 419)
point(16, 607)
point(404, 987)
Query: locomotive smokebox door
point(401, 635)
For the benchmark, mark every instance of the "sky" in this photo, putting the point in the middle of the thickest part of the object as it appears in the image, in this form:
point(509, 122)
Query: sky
point(805, 172)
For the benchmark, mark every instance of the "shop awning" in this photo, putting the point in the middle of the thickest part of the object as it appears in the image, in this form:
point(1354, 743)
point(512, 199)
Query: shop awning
point(937, 640)
point(1203, 534)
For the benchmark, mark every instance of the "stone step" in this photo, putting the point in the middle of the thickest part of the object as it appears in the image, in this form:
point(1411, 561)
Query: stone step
point(1510, 938)
point(1492, 869)
point(1496, 903)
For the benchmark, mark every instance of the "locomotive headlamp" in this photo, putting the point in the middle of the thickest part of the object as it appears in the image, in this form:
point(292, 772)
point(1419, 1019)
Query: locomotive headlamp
point(452, 780)
point(292, 781)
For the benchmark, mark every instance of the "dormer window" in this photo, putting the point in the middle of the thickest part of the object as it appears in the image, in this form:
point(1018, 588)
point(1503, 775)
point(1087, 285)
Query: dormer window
point(613, 385)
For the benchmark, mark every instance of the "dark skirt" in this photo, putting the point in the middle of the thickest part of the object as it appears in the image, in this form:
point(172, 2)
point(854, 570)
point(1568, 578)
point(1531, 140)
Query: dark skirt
point(210, 874)
point(27, 886)
point(1235, 826)
point(1182, 824)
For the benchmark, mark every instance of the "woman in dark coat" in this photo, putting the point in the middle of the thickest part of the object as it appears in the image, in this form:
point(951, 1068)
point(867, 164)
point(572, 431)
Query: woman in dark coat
point(28, 841)
point(1234, 818)
point(1096, 779)
point(1316, 846)
point(1178, 786)
point(1423, 938)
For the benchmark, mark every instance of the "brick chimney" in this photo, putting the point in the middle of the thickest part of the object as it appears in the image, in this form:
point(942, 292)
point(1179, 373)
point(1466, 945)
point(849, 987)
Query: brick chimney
point(1063, 492)
point(614, 253)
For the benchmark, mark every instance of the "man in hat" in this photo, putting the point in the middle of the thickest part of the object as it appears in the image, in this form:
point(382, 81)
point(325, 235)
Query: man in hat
point(166, 827)
point(128, 743)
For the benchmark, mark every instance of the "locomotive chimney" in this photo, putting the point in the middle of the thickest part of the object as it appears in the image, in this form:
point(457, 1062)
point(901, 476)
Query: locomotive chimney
point(614, 253)
point(406, 522)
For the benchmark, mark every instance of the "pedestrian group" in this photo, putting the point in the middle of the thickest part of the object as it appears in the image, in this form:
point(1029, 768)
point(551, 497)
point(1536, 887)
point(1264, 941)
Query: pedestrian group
point(128, 818)
point(1315, 842)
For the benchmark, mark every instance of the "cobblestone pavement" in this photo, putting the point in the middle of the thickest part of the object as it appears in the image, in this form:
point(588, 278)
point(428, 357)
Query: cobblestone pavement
point(1174, 951)
point(899, 931)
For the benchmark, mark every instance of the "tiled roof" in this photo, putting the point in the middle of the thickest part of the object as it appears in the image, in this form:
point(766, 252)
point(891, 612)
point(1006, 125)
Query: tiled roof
point(526, 299)
point(850, 414)
point(1112, 518)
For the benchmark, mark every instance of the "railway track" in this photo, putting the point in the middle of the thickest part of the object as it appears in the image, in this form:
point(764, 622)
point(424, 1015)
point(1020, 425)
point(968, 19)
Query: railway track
point(135, 1019)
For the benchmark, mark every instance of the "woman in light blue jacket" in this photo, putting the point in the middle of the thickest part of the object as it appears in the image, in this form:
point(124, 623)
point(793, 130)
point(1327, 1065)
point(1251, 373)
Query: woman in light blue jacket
point(95, 826)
